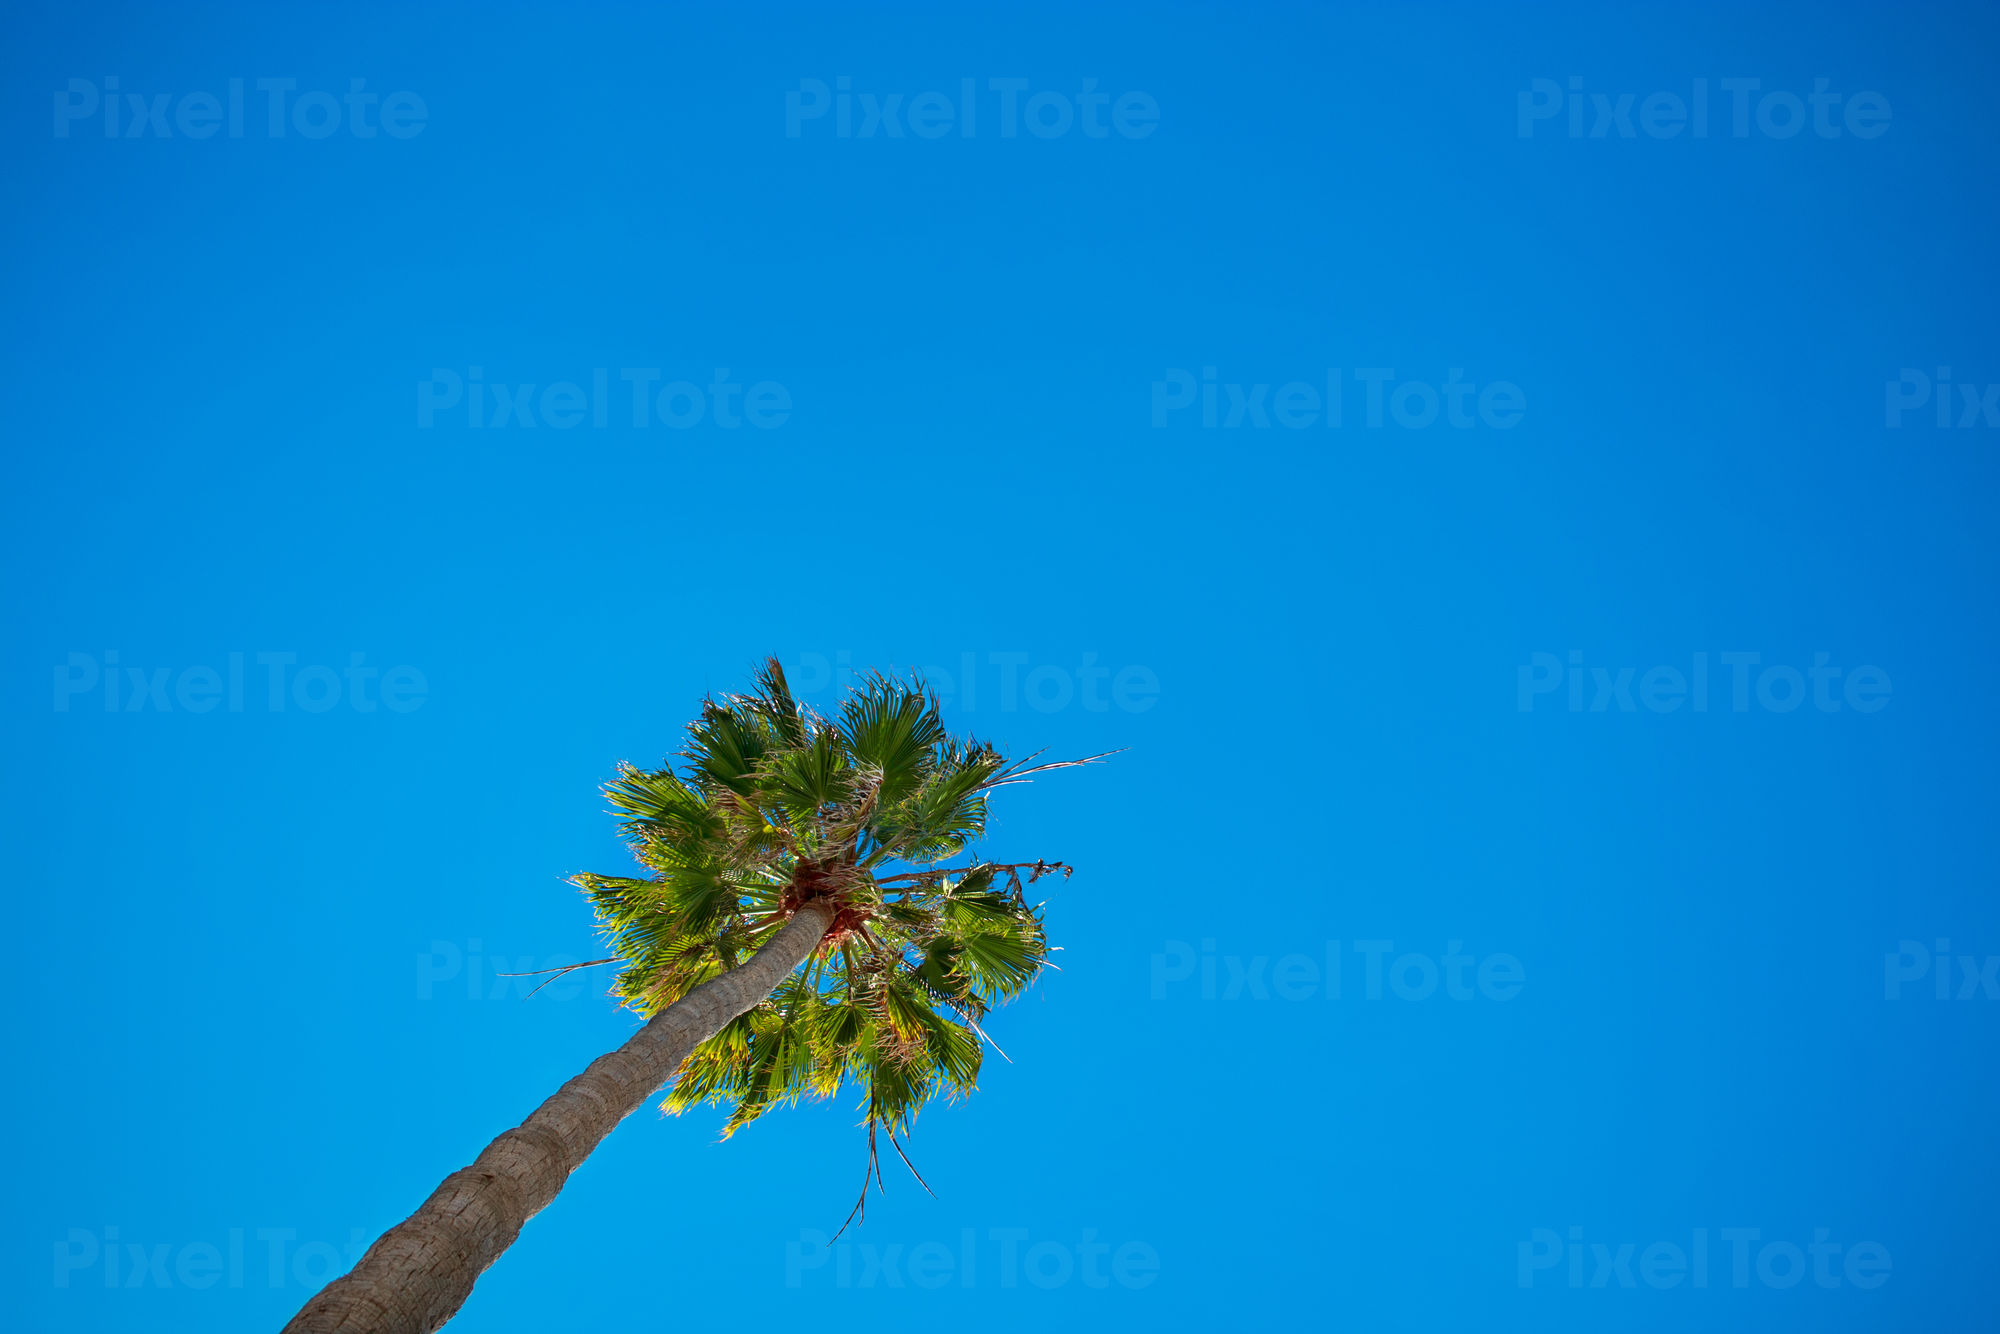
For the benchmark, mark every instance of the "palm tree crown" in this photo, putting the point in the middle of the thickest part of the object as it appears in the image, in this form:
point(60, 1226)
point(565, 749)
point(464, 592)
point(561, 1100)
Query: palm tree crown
point(777, 806)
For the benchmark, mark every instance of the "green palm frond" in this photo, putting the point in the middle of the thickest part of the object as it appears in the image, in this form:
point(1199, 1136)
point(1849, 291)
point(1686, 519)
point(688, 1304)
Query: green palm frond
point(892, 727)
point(775, 804)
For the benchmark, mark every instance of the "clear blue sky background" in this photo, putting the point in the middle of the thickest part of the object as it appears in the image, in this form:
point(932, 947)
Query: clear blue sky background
point(252, 986)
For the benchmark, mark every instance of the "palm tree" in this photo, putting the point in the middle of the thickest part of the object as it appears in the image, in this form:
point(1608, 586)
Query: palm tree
point(798, 932)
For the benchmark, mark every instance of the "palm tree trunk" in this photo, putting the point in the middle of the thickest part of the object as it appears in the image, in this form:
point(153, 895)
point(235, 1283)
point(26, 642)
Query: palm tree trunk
point(418, 1273)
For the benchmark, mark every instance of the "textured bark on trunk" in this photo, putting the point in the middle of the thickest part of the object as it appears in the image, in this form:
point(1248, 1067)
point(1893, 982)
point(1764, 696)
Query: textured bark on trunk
point(418, 1273)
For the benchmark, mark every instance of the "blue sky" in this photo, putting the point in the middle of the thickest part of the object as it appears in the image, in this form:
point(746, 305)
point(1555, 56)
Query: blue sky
point(317, 648)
